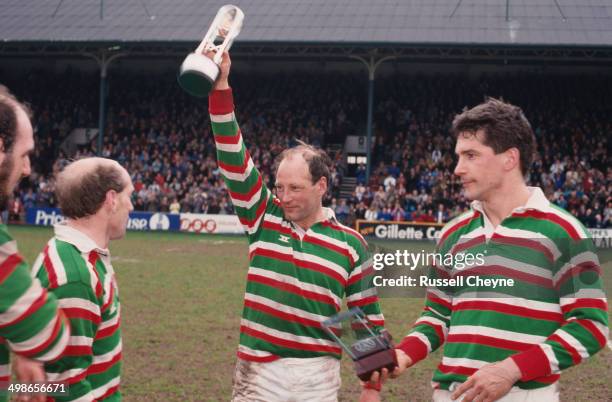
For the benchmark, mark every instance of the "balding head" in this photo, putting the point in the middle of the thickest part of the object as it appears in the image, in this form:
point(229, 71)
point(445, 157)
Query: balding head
point(319, 163)
point(82, 186)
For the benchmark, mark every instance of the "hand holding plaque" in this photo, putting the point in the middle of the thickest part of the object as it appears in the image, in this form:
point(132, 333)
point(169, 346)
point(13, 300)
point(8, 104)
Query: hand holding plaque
point(198, 72)
point(370, 349)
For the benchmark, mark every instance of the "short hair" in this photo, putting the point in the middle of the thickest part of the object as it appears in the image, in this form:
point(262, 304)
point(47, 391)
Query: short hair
point(8, 117)
point(504, 125)
point(319, 163)
point(83, 196)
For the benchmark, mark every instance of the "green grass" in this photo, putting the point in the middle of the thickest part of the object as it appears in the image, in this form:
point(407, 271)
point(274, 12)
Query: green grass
point(181, 298)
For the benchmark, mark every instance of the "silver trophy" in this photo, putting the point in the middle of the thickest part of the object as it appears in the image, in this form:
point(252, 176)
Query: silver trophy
point(198, 72)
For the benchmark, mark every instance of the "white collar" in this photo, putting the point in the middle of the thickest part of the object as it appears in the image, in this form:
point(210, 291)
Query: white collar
point(537, 200)
point(328, 215)
point(80, 240)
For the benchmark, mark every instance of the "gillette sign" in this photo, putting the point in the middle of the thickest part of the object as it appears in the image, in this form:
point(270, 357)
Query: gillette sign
point(137, 220)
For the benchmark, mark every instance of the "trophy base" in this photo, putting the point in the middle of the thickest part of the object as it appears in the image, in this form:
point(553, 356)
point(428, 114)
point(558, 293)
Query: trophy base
point(198, 74)
point(366, 366)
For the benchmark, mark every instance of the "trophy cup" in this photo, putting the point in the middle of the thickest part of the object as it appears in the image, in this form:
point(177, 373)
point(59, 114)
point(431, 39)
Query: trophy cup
point(198, 72)
point(371, 349)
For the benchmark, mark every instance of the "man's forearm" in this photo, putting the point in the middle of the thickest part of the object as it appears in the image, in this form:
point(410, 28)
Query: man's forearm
point(243, 180)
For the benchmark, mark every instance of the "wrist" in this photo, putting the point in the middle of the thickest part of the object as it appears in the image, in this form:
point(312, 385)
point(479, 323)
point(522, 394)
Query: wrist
point(532, 363)
point(512, 369)
point(413, 350)
point(221, 84)
point(403, 360)
point(373, 387)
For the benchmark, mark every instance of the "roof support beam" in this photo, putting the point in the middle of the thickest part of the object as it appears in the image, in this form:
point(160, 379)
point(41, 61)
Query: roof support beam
point(338, 52)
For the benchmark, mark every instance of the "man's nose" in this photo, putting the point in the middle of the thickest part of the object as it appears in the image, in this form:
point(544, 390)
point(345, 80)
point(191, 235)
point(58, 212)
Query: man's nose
point(285, 197)
point(459, 168)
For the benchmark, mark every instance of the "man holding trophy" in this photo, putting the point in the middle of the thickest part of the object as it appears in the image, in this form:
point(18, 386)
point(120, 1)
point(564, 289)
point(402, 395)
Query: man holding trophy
point(302, 261)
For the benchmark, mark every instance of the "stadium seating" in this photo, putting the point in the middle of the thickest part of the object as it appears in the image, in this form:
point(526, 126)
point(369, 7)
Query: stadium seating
point(163, 137)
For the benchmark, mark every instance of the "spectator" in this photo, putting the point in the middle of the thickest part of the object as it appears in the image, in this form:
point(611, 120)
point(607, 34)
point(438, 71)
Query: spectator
point(175, 207)
point(166, 142)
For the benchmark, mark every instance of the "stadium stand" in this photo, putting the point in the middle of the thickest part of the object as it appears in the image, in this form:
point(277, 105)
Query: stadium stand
point(163, 137)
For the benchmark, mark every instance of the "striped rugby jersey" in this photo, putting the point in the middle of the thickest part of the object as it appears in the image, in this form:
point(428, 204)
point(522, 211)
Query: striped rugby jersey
point(295, 279)
point(553, 317)
point(29, 320)
point(80, 275)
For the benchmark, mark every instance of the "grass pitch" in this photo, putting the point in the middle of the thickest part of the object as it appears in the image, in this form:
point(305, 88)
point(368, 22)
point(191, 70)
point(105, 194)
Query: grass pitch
point(181, 297)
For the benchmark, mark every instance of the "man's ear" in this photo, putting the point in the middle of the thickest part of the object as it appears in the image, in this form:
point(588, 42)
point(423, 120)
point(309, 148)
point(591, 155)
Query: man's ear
point(512, 158)
point(111, 200)
point(322, 186)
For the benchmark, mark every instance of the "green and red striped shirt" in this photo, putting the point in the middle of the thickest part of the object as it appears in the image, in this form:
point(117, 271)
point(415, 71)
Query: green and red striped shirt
point(553, 317)
point(296, 279)
point(79, 273)
point(29, 320)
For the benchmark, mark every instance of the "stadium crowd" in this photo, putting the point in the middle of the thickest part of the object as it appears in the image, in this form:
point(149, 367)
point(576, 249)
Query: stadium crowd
point(163, 138)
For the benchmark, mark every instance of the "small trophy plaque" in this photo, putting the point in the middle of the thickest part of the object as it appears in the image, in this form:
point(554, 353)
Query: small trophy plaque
point(370, 348)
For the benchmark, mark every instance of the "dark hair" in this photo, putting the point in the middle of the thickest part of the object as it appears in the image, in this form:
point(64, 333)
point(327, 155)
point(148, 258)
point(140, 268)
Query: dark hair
point(85, 196)
point(504, 125)
point(319, 163)
point(8, 117)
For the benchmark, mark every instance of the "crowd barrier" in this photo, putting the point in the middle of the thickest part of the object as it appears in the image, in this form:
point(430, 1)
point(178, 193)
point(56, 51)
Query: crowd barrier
point(152, 221)
point(142, 221)
point(385, 230)
point(229, 224)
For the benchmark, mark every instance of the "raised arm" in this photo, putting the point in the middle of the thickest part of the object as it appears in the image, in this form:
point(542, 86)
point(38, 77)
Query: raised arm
point(243, 180)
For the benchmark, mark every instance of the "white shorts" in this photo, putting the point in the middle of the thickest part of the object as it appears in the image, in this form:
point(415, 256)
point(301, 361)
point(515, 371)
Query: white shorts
point(287, 380)
point(546, 394)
